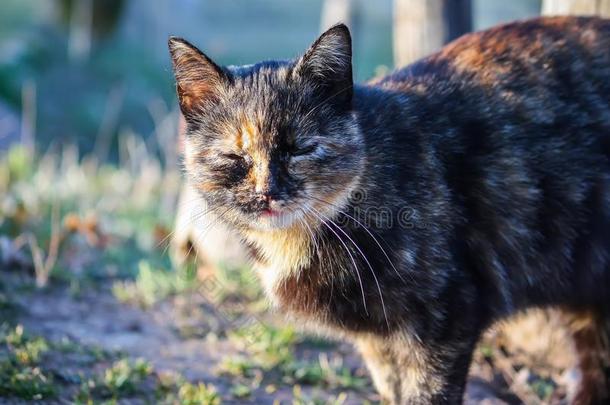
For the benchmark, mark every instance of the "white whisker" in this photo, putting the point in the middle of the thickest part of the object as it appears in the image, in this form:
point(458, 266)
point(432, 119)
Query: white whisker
point(366, 229)
point(349, 254)
point(365, 259)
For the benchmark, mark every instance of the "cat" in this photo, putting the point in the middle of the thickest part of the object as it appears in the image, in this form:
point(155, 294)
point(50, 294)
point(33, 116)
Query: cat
point(409, 213)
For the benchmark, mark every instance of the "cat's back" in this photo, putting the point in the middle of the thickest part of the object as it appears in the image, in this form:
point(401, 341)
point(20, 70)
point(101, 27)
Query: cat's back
point(521, 47)
point(556, 54)
point(523, 85)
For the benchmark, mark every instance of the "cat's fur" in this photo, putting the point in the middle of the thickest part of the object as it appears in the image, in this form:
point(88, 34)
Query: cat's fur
point(409, 213)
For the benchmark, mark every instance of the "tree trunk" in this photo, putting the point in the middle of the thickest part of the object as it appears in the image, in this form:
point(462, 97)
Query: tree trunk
point(576, 7)
point(423, 26)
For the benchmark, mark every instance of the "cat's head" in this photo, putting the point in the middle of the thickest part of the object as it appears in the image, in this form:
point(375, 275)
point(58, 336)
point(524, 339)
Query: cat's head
point(271, 144)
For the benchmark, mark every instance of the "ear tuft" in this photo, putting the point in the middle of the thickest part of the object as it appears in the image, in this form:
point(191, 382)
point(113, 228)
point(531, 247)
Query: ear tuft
point(198, 78)
point(328, 61)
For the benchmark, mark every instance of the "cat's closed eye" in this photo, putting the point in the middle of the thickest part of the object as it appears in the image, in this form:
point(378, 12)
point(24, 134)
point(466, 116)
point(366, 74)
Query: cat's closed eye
point(233, 156)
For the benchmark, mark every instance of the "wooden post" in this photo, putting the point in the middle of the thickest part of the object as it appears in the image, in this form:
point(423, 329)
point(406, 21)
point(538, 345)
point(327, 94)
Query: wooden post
point(458, 17)
point(576, 7)
point(81, 23)
point(28, 116)
point(423, 26)
point(335, 11)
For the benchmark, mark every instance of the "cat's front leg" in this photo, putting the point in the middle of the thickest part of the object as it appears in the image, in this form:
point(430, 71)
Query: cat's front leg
point(406, 371)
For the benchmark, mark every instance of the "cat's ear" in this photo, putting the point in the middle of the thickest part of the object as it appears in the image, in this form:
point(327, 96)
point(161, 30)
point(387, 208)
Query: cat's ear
point(328, 63)
point(198, 79)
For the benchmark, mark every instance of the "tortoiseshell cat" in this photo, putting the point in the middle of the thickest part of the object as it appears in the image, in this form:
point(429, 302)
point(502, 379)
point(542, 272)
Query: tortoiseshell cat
point(410, 213)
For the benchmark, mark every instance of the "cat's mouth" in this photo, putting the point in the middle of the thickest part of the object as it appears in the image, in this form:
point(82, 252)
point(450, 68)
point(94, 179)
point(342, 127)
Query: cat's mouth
point(270, 218)
point(270, 212)
point(275, 218)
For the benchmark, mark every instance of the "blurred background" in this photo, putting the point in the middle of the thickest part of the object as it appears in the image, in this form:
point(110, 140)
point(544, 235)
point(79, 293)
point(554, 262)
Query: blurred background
point(92, 69)
point(92, 309)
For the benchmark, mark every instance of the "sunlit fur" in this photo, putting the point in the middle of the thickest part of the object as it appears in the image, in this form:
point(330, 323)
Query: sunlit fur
point(497, 148)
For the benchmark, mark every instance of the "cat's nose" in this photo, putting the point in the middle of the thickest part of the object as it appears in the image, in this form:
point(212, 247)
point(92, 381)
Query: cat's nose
point(268, 191)
point(265, 198)
point(268, 198)
point(270, 201)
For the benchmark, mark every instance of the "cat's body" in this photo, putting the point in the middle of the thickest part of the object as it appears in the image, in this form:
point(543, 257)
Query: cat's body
point(452, 193)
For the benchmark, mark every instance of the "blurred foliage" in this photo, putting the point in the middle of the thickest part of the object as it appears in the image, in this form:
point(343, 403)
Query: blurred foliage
point(105, 14)
point(114, 86)
point(111, 216)
point(152, 285)
point(20, 374)
point(198, 394)
point(127, 70)
point(124, 376)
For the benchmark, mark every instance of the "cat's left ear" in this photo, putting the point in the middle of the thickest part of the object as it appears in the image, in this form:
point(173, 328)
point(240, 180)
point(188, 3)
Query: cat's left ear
point(328, 64)
point(199, 81)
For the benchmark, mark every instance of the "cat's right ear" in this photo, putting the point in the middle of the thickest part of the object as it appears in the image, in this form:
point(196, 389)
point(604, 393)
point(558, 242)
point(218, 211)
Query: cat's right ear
point(199, 80)
point(328, 63)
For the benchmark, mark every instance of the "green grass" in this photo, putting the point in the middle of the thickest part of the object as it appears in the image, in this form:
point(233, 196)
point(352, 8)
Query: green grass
point(26, 350)
point(123, 379)
point(124, 376)
point(199, 394)
point(270, 352)
point(20, 373)
point(174, 389)
point(232, 282)
point(27, 372)
point(324, 373)
point(126, 379)
point(152, 285)
point(267, 346)
point(25, 382)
